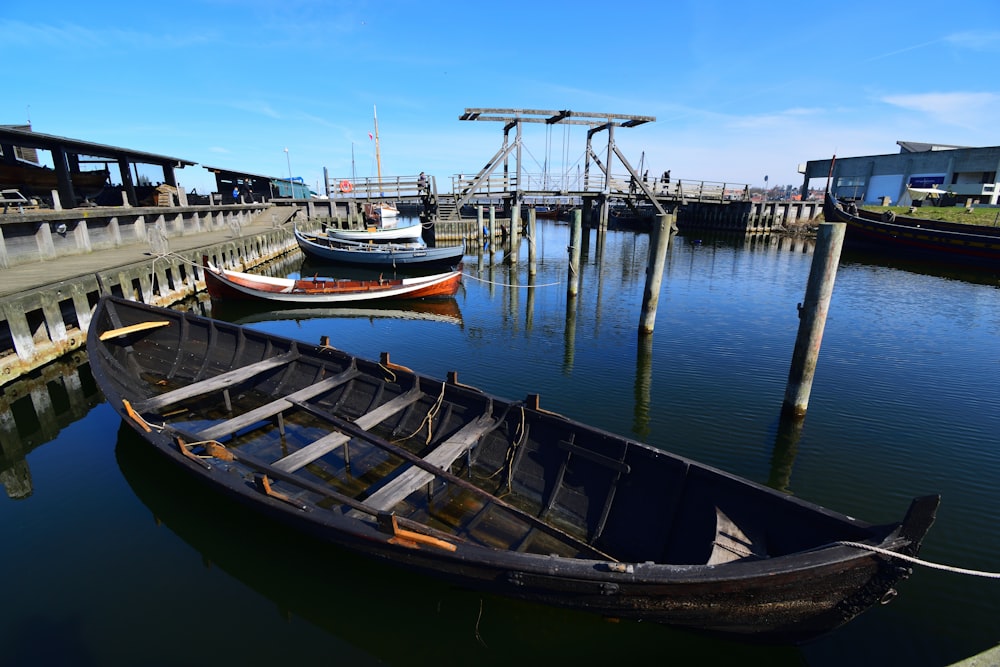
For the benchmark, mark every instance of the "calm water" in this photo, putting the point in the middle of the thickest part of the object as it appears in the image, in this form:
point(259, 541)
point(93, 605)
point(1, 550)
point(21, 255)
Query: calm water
point(110, 559)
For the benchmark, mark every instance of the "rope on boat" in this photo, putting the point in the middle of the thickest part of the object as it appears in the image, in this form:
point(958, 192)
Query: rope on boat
point(918, 561)
point(521, 432)
point(428, 419)
point(491, 282)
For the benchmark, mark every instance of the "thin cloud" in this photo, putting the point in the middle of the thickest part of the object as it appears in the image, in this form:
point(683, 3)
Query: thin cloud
point(961, 109)
point(68, 35)
point(975, 40)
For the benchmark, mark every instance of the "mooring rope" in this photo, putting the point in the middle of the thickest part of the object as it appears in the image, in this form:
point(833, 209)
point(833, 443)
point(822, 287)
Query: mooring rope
point(491, 282)
point(918, 561)
point(166, 255)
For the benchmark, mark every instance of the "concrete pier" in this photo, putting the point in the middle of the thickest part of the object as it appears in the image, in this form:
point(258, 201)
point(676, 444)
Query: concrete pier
point(45, 304)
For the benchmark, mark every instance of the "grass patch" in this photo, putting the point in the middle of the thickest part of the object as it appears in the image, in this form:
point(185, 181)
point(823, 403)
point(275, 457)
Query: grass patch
point(988, 217)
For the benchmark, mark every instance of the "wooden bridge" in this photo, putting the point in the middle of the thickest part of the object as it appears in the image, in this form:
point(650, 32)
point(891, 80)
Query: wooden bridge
point(597, 188)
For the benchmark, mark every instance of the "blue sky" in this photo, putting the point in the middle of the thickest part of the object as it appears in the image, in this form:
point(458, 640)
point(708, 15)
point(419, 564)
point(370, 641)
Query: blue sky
point(738, 92)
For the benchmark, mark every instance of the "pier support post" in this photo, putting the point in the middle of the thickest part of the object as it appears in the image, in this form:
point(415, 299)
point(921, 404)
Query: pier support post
point(812, 317)
point(658, 243)
point(575, 241)
point(493, 225)
point(532, 265)
point(515, 233)
point(480, 227)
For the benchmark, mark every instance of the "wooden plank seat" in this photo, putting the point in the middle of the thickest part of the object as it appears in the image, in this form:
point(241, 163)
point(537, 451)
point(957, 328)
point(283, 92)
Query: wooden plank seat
point(275, 407)
point(442, 456)
point(215, 383)
point(332, 441)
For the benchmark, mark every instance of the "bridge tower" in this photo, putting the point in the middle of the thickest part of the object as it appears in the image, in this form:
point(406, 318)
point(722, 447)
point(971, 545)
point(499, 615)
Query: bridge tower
point(594, 189)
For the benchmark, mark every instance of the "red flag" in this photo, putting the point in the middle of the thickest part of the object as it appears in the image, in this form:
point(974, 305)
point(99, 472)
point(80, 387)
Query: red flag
point(370, 136)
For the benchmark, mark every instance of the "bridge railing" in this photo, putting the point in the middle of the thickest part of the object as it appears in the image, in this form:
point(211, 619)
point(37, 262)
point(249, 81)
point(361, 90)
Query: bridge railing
point(367, 188)
point(620, 184)
point(408, 187)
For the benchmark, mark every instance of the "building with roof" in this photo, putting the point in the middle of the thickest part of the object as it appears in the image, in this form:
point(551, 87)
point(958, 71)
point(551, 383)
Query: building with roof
point(970, 174)
point(73, 175)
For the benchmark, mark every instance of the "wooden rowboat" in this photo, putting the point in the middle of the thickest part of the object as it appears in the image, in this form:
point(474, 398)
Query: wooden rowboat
point(343, 251)
point(491, 494)
point(225, 284)
point(385, 226)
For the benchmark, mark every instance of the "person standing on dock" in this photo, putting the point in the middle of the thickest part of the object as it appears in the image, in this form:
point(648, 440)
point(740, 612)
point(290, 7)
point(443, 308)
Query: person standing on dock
point(422, 183)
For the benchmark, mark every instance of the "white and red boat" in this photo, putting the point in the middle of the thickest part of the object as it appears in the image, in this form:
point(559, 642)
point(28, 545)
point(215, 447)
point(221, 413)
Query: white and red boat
point(225, 284)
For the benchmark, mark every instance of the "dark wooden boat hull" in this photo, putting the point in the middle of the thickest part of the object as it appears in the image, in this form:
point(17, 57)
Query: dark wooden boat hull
point(491, 494)
point(928, 240)
point(41, 181)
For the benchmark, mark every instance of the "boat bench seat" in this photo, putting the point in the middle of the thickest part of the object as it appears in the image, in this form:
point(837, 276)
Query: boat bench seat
point(332, 441)
point(275, 407)
point(442, 456)
point(215, 383)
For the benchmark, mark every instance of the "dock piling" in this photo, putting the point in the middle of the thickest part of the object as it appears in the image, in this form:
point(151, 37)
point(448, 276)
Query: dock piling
point(812, 317)
point(575, 241)
point(532, 259)
point(659, 242)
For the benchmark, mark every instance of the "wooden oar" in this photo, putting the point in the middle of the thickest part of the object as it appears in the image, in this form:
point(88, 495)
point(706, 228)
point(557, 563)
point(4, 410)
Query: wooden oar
point(132, 328)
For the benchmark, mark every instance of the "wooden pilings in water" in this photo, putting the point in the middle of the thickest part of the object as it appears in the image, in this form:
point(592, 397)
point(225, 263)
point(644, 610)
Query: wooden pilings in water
point(575, 241)
point(747, 216)
point(812, 317)
point(659, 242)
point(532, 248)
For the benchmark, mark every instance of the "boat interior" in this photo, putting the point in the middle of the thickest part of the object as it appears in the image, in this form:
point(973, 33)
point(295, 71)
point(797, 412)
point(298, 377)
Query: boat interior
point(369, 438)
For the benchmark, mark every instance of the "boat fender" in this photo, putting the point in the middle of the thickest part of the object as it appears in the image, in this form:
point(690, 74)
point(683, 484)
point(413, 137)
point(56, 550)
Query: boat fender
point(888, 216)
point(345, 186)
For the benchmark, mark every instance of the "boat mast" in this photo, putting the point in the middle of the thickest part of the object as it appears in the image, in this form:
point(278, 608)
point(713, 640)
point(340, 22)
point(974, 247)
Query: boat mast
point(378, 158)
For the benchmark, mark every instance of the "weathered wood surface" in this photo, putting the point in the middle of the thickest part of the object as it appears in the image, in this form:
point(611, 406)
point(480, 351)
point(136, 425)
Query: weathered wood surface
point(278, 406)
point(442, 456)
point(216, 383)
point(328, 443)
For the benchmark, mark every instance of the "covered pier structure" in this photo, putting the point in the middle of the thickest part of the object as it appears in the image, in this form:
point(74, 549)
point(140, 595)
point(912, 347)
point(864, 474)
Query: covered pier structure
point(67, 183)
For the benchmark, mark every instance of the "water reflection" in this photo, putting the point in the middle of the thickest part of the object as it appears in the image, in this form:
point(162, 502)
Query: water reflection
point(444, 309)
point(569, 335)
point(643, 386)
point(904, 400)
point(33, 411)
point(376, 609)
point(786, 445)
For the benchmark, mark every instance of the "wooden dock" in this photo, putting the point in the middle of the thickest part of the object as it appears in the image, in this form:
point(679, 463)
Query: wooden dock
point(53, 276)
